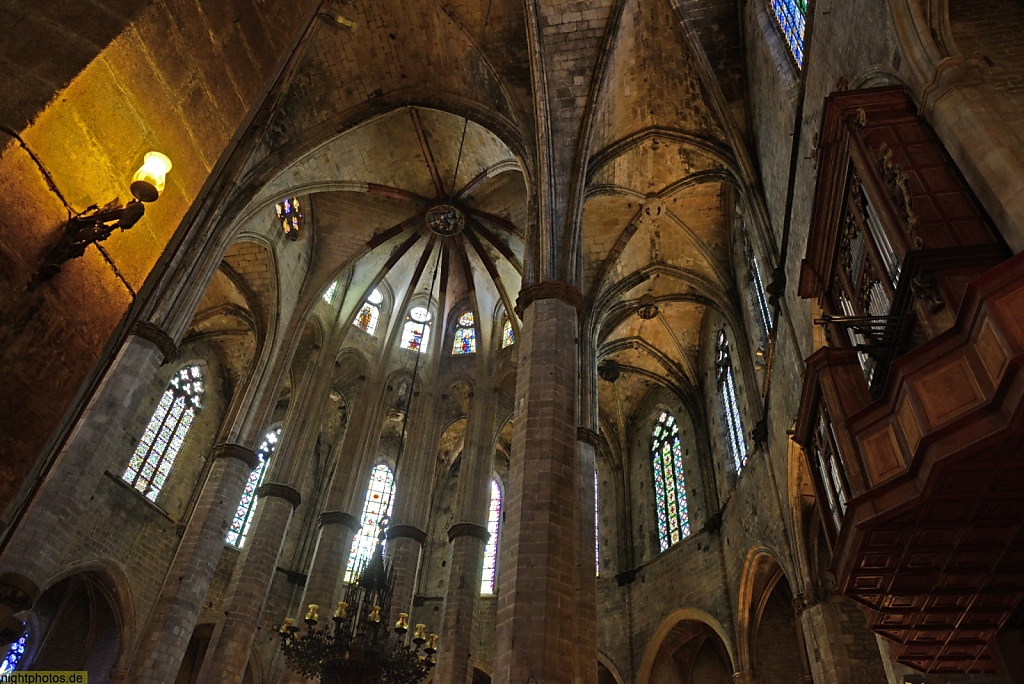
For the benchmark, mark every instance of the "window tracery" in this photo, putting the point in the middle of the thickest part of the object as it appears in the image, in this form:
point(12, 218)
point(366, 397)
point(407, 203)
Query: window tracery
point(465, 335)
point(416, 332)
point(168, 426)
point(508, 336)
point(669, 482)
point(14, 655)
point(380, 499)
point(329, 294)
point(247, 504)
point(487, 579)
point(791, 16)
point(730, 404)
point(369, 315)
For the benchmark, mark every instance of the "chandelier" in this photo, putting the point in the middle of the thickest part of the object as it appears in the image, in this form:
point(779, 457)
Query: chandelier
point(356, 646)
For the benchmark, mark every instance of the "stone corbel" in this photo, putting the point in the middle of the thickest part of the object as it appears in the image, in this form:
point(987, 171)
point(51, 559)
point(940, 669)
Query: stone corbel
point(158, 338)
point(570, 294)
point(468, 529)
point(281, 491)
point(238, 452)
point(17, 594)
point(338, 518)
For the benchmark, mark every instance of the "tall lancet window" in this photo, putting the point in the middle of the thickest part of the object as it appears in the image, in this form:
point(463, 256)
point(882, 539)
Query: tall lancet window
point(154, 456)
point(792, 18)
point(730, 405)
point(465, 335)
point(370, 313)
point(489, 574)
point(247, 505)
point(15, 653)
point(416, 333)
point(380, 500)
point(669, 483)
point(508, 337)
point(764, 312)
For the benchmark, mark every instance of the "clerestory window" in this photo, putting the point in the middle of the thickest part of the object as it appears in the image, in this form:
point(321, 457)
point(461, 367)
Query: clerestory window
point(416, 332)
point(369, 314)
point(730, 405)
point(465, 335)
point(380, 500)
point(247, 504)
point(168, 426)
point(508, 337)
point(791, 16)
point(669, 482)
point(489, 575)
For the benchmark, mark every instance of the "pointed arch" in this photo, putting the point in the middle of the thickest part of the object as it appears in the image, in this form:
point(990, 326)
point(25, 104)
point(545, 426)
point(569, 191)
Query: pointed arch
point(168, 426)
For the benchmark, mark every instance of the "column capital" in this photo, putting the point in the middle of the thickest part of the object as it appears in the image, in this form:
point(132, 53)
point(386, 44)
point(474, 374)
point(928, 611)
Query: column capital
point(156, 336)
point(746, 677)
point(281, 491)
point(806, 599)
point(407, 532)
point(570, 294)
point(468, 529)
point(588, 436)
point(338, 518)
point(238, 452)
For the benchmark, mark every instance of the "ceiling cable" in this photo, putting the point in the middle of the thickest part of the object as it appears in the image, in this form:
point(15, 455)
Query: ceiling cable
point(465, 121)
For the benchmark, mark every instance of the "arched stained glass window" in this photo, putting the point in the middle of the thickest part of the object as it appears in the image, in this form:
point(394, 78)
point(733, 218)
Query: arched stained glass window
point(151, 463)
point(508, 337)
point(380, 499)
point(370, 313)
point(329, 294)
point(730, 405)
point(14, 655)
point(465, 335)
point(491, 550)
point(792, 17)
point(247, 504)
point(416, 333)
point(669, 484)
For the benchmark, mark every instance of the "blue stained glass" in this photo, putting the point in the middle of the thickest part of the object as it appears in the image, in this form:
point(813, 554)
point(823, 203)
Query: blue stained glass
point(165, 433)
point(380, 499)
point(792, 18)
point(465, 335)
point(14, 655)
point(247, 504)
point(669, 482)
point(508, 337)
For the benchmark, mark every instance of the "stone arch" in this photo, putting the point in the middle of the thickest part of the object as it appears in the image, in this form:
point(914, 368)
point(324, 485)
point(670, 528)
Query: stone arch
point(607, 672)
point(86, 617)
point(766, 607)
point(671, 634)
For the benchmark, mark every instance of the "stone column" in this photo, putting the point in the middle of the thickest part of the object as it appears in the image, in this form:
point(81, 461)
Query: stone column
point(465, 565)
point(333, 545)
point(405, 545)
point(174, 616)
point(746, 677)
point(228, 652)
point(467, 538)
point(539, 552)
point(35, 547)
point(586, 604)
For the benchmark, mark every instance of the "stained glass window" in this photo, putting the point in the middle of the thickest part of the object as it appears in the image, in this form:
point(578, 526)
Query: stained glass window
point(764, 313)
point(491, 550)
point(465, 335)
point(14, 655)
point(380, 499)
point(669, 484)
point(597, 529)
point(370, 313)
point(329, 294)
point(290, 215)
point(792, 16)
point(730, 405)
point(508, 337)
point(247, 505)
point(416, 333)
point(151, 463)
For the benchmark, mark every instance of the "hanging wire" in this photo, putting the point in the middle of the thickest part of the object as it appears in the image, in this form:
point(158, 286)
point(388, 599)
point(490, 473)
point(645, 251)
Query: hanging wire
point(416, 366)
